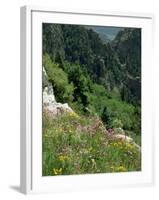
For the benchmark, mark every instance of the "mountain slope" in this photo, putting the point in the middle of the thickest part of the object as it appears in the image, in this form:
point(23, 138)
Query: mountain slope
point(116, 64)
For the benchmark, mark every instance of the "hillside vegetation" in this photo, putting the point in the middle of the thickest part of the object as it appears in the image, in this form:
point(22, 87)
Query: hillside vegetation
point(77, 145)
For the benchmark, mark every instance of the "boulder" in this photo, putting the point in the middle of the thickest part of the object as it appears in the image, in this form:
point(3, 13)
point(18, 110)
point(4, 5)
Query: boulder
point(56, 109)
point(123, 137)
point(126, 139)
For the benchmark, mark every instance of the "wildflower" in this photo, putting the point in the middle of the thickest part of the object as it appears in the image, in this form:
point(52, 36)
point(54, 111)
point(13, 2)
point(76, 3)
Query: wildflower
point(73, 114)
point(115, 144)
point(70, 131)
point(62, 158)
point(57, 171)
point(121, 169)
point(130, 146)
point(60, 129)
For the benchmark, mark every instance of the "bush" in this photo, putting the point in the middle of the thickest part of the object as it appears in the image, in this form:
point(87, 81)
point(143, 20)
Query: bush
point(117, 123)
point(81, 83)
point(59, 79)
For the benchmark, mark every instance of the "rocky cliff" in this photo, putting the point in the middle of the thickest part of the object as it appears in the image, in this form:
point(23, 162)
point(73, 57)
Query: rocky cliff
point(50, 105)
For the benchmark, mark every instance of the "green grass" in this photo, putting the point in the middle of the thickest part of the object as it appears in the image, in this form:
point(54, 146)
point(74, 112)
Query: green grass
point(75, 144)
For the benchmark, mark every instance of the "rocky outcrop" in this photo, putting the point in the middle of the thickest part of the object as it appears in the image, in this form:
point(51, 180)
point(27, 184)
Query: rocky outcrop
point(56, 109)
point(119, 134)
point(48, 96)
point(50, 106)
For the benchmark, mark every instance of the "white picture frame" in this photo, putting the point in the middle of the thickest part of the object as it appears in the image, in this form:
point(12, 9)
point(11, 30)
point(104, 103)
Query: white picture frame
point(31, 99)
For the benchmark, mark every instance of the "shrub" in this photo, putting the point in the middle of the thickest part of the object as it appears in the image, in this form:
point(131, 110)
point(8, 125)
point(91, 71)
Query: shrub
point(59, 79)
point(117, 123)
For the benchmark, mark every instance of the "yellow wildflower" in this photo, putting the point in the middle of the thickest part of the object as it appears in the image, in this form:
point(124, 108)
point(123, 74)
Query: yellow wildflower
point(62, 158)
point(57, 171)
point(70, 131)
point(60, 129)
point(73, 114)
point(121, 169)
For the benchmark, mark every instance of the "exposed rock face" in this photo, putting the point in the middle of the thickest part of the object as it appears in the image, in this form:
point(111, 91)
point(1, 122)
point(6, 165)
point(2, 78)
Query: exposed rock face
point(48, 96)
point(50, 106)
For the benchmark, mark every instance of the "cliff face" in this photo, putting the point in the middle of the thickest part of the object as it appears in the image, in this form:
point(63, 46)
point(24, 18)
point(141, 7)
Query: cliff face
point(50, 105)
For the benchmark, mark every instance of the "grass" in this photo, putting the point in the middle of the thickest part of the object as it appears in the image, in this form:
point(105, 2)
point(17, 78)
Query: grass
point(75, 144)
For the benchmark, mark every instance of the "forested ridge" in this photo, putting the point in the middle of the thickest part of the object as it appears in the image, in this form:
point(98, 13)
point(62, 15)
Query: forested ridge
point(101, 82)
point(115, 64)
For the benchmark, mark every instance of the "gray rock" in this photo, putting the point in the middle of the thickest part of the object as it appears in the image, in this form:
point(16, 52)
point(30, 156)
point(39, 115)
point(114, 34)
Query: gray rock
point(56, 109)
point(126, 139)
point(123, 137)
point(49, 102)
point(48, 96)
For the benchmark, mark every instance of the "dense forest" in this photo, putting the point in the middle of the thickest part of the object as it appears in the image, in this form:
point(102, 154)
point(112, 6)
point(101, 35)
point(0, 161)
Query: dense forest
point(96, 77)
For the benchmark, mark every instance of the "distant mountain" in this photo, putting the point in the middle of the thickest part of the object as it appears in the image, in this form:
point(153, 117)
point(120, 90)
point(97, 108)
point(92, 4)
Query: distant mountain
point(106, 34)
